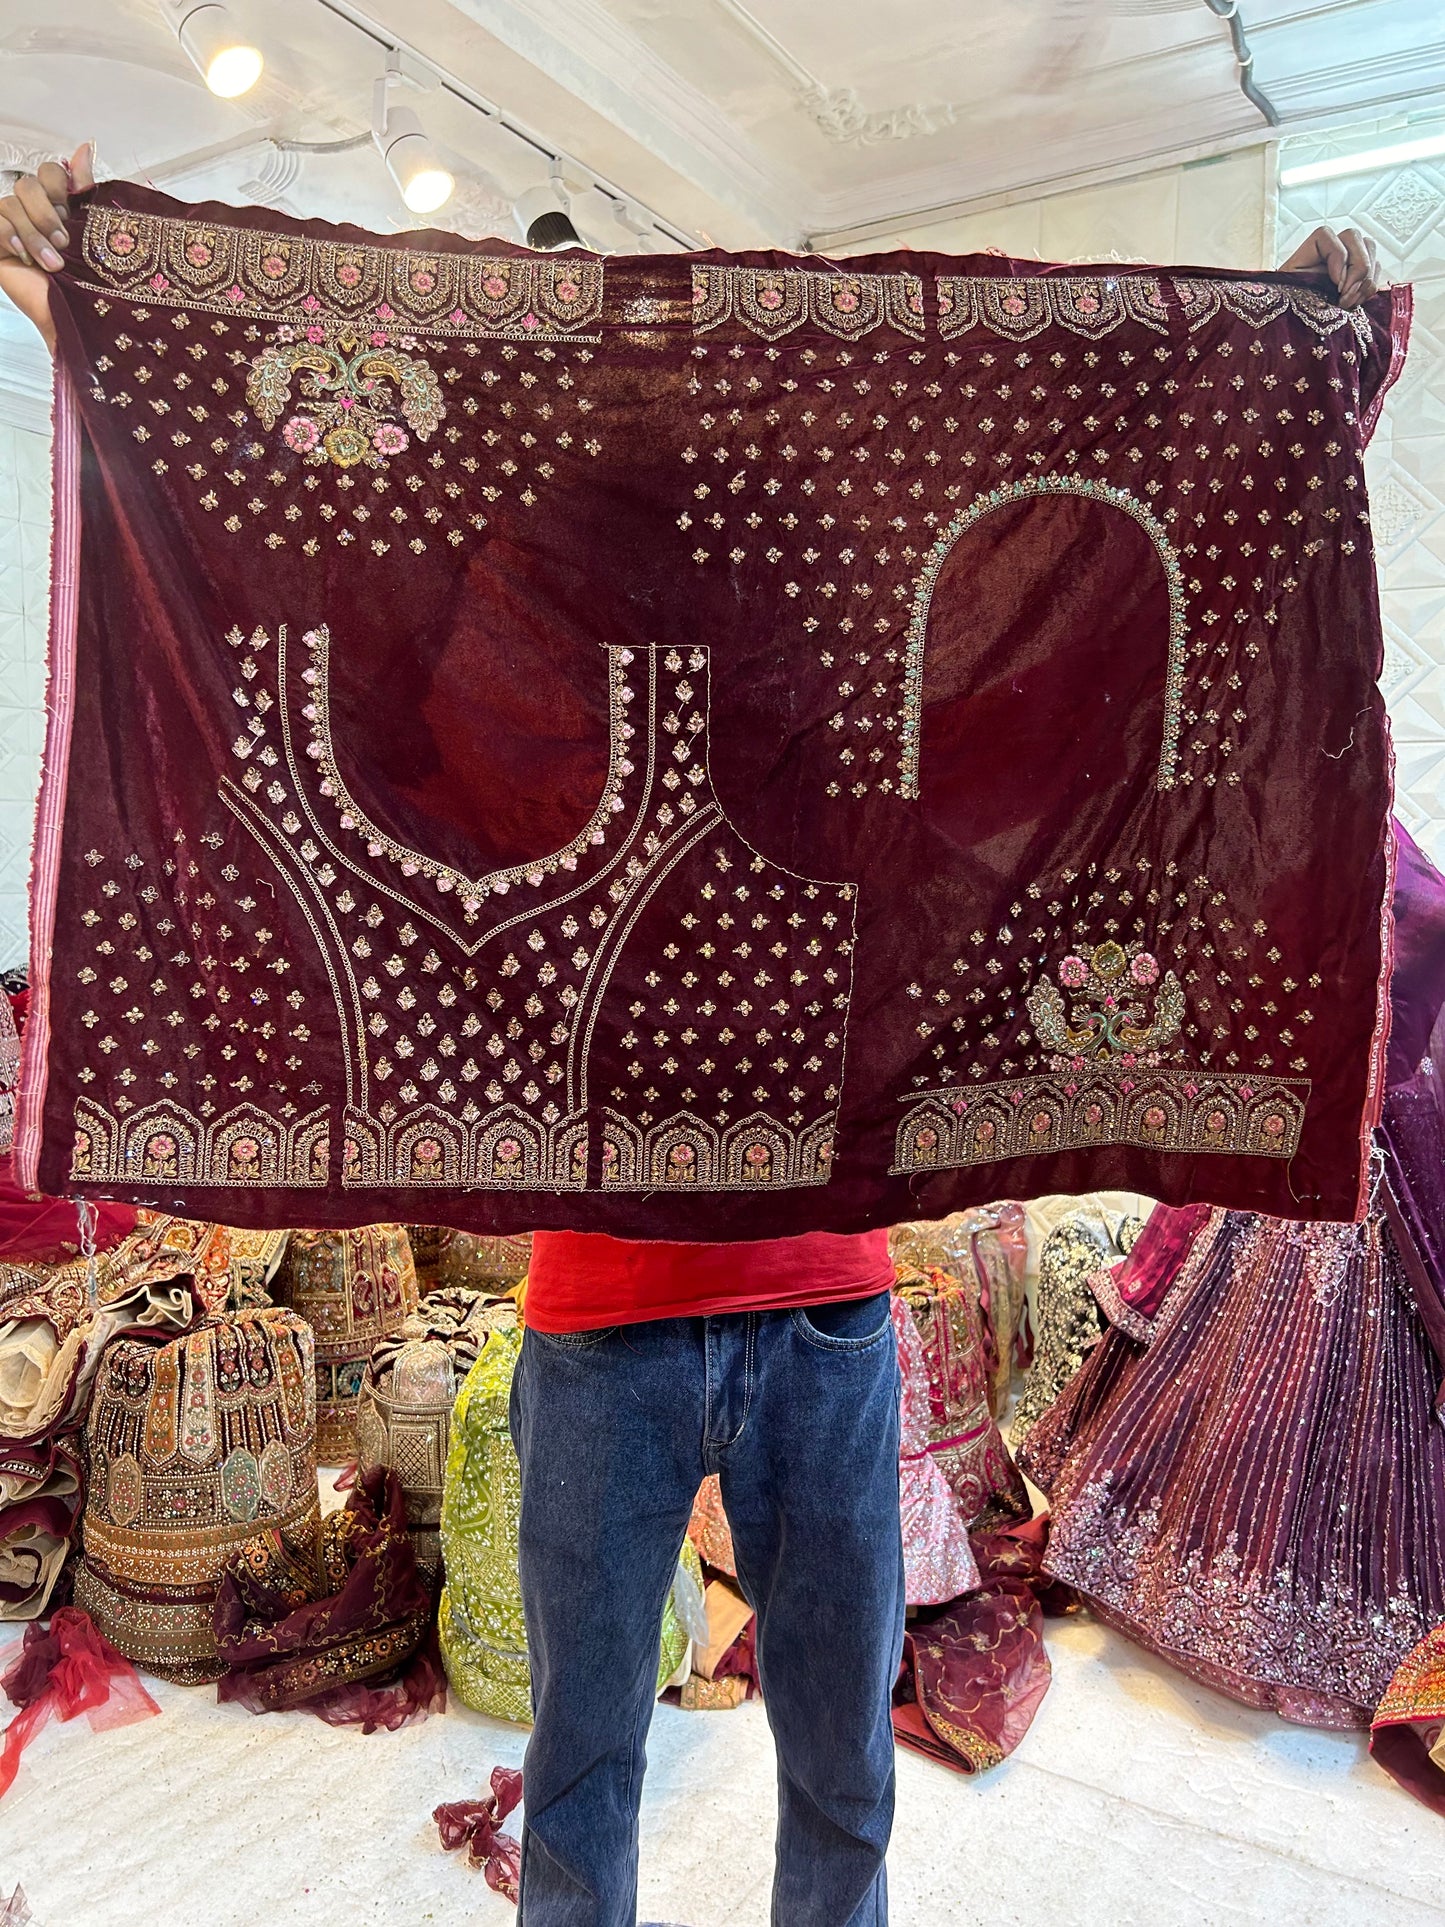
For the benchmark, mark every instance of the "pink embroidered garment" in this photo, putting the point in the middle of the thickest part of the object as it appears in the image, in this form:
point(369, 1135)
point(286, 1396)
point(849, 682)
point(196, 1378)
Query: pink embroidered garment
point(704, 748)
point(938, 1562)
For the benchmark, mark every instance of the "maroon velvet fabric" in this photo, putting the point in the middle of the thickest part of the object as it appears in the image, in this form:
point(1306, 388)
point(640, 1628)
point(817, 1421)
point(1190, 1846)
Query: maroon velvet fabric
point(702, 748)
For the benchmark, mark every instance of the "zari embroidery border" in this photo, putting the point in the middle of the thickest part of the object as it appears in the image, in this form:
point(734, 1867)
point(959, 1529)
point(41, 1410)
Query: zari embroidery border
point(773, 301)
point(291, 277)
point(1020, 307)
point(166, 1144)
point(963, 520)
point(1230, 1112)
point(469, 891)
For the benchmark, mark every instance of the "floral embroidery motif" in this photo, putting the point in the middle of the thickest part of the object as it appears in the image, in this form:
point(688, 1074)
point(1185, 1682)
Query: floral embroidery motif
point(167, 1144)
point(1022, 306)
point(773, 302)
point(1019, 308)
point(964, 519)
point(290, 277)
point(1170, 1109)
point(1112, 1020)
point(353, 382)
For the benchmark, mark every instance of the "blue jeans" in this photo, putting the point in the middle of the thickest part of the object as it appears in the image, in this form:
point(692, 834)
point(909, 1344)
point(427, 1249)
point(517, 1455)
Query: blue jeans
point(615, 1429)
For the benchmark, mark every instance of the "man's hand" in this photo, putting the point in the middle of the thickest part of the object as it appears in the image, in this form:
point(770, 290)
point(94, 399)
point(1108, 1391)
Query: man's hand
point(1348, 258)
point(32, 226)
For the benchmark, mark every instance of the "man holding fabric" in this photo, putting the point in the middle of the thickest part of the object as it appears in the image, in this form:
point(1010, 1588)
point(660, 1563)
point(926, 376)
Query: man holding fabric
point(645, 1367)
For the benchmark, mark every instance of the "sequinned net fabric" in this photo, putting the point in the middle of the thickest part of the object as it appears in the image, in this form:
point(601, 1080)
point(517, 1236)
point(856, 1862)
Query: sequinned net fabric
point(705, 747)
point(1260, 1495)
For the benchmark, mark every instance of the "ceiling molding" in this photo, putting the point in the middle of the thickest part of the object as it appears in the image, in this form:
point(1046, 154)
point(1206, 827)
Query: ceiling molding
point(585, 49)
point(837, 111)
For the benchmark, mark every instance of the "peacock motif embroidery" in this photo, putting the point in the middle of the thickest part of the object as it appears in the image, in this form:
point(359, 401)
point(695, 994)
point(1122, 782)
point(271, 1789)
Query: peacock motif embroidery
point(1126, 1012)
point(354, 382)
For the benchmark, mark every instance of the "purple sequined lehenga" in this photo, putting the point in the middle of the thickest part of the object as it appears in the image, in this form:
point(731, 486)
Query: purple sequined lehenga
point(1258, 1493)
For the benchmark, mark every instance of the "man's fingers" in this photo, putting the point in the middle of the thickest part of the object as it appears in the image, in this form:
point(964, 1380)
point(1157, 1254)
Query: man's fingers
point(1336, 259)
point(22, 238)
point(46, 222)
point(54, 183)
point(82, 168)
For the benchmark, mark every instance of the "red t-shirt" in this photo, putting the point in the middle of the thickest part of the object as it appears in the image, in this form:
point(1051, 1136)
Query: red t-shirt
point(580, 1280)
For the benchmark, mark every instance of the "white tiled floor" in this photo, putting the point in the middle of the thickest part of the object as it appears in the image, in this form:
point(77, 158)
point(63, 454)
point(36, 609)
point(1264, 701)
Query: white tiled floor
point(1137, 1798)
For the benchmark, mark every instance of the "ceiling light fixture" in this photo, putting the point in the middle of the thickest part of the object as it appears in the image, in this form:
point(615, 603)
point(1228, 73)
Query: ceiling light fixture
point(411, 160)
point(1365, 163)
point(543, 214)
point(451, 84)
point(215, 47)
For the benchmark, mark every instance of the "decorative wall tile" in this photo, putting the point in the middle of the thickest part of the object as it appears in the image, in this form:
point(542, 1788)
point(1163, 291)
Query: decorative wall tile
point(24, 594)
point(1404, 209)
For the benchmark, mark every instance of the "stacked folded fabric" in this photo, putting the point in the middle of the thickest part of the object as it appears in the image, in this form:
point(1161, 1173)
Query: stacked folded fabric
point(466, 1260)
point(56, 1320)
point(352, 1288)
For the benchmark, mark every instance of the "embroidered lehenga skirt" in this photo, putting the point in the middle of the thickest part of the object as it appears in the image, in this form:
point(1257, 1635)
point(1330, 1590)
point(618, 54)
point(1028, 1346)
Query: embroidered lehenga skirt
point(448, 1260)
point(1259, 1496)
point(193, 1447)
point(352, 1288)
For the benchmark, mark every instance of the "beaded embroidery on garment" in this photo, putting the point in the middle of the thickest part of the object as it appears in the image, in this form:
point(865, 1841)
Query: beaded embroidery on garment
point(193, 1446)
point(701, 747)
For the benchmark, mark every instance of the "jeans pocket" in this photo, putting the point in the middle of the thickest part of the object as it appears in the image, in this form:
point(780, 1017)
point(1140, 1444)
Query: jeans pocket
point(574, 1341)
point(850, 1325)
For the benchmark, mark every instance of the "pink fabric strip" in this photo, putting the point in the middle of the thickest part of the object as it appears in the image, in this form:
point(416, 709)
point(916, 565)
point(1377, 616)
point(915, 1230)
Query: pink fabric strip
point(50, 811)
point(1402, 314)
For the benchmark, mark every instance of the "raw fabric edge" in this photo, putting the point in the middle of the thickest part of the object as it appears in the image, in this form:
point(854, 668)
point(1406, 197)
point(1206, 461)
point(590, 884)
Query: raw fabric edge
point(1375, 1087)
point(54, 776)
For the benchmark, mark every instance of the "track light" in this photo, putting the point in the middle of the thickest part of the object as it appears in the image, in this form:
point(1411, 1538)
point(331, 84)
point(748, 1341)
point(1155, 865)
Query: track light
point(215, 47)
point(542, 214)
point(1338, 165)
point(411, 160)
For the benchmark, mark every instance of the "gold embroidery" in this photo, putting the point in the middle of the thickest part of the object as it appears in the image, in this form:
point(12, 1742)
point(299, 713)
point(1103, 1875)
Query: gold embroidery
point(1021, 306)
point(353, 382)
point(166, 1144)
point(964, 519)
point(1115, 981)
point(1162, 1109)
point(773, 301)
point(448, 1084)
point(285, 277)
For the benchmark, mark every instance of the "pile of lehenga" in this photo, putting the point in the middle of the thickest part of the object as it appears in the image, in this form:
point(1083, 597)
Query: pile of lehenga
point(1239, 1424)
point(1248, 1474)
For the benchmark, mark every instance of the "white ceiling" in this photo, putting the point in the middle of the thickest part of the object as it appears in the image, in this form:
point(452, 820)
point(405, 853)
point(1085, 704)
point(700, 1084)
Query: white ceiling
point(741, 121)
